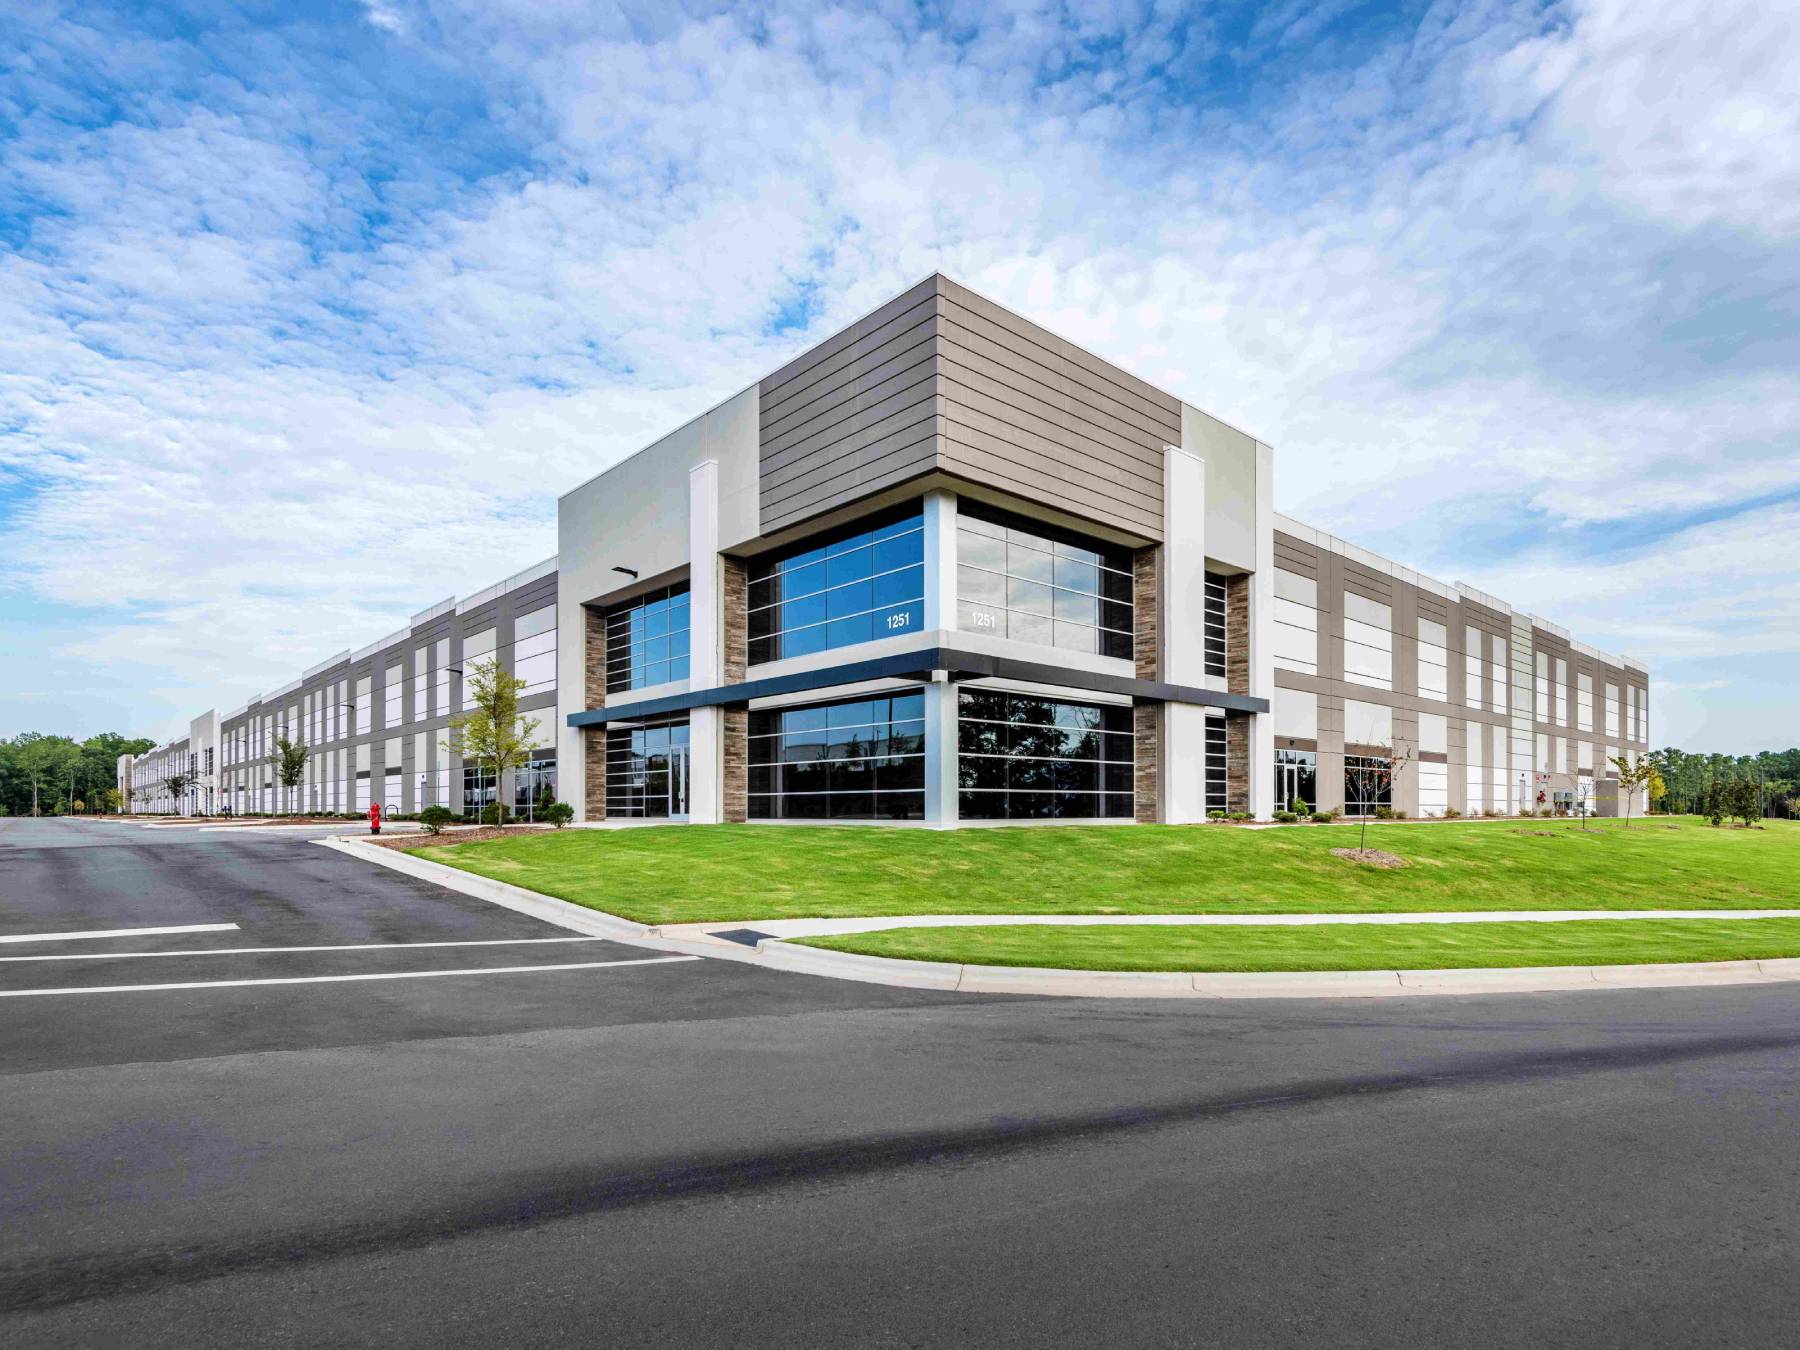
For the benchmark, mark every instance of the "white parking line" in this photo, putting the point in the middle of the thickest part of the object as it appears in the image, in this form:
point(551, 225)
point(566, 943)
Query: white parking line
point(119, 932)
point(259, 951)
point(343, 979)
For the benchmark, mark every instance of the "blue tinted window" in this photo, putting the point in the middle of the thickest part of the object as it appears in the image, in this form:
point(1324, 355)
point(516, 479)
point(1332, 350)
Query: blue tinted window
point(865, 583)
point(647, 640)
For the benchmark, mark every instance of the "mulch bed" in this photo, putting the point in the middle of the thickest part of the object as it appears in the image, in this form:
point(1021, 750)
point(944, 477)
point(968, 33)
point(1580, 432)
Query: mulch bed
point(1374, 857)
point(413, 841)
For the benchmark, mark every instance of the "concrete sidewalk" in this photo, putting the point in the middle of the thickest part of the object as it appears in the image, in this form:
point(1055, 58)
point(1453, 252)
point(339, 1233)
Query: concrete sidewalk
point(800, 928)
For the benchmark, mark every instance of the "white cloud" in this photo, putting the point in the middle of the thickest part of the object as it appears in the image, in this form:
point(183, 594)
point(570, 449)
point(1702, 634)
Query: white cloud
point(276, 365)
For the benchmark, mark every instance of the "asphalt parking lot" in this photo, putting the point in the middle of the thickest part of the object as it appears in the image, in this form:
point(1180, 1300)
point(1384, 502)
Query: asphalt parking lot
point(254, 1150)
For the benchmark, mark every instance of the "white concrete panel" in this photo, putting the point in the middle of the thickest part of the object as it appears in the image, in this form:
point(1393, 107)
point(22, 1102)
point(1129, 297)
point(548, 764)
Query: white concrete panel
point(635, 515)
point(1231, 486)
point(1262, 636)
point(1297, 714)
point(1368, 723)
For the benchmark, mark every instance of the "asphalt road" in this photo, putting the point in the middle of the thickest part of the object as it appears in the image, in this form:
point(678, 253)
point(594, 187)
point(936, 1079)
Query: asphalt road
point(696, 1153)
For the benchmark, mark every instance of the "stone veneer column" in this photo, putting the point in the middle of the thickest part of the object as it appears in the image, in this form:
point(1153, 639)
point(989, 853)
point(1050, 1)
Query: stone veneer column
point(1237, 761)
point(1146, 718)
point(593, 739)
point(735, 758)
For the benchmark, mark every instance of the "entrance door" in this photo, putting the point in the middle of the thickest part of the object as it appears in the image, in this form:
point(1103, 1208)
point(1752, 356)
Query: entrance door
point(678, 781)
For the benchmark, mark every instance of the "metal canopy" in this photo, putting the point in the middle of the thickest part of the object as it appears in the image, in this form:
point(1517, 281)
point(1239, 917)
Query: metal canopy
point(955, 662)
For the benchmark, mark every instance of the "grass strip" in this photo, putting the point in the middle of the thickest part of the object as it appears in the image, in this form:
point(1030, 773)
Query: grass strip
point(1409, 946)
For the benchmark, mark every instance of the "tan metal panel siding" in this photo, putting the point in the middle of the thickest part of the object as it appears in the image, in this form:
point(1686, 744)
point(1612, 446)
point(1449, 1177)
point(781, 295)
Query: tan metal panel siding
point(942, 380)
point(853, 415)
point(1030, 413)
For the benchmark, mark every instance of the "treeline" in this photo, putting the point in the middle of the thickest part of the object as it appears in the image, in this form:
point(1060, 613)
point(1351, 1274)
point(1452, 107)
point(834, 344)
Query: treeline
point(1702, 785)
point(56, 775)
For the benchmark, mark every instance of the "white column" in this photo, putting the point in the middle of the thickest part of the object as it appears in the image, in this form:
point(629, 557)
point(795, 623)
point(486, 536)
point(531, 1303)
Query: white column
point(940, 560)
point(705, 640)
point(1262, 639)
point(1181, 623)
point(942, 808)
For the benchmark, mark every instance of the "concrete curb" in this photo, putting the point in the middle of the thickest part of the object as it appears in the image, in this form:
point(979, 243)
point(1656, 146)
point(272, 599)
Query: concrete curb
point(776, 954)
point(575, 918)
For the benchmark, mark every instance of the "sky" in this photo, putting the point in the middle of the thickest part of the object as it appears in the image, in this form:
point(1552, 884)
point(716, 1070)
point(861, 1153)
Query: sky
point(308, 313)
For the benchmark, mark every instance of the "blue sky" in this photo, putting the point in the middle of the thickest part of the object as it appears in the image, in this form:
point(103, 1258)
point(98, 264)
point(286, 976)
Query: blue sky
point(308, 312)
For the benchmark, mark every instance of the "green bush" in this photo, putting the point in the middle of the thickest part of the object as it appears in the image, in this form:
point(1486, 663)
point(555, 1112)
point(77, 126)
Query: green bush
point(1324, 817)
point(494, 813)
point(1451, 813)
point(1287, 817)
point(434, 818)
point(1215, 815)
point(1384, 813)
point(1298, 807)
point(1239, 815)
point(558, 814)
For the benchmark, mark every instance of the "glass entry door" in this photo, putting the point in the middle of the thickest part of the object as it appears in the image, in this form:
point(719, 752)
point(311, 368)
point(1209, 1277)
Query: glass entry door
point(1296, 777)
point(647, 770)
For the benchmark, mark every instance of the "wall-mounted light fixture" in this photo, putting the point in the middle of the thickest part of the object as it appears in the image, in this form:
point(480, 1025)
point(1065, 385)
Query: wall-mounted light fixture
point(628, 571)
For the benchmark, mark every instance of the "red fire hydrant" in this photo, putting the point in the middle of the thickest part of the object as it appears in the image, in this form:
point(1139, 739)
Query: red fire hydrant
point(374, 817)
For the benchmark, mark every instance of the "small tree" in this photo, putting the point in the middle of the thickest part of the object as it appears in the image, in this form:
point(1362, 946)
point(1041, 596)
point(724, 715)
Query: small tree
point(492, 733)
point(1655, 788)
point(290, 763)
point(434, 818)
point(1743, 800)
point(1374, 775)
point(1633, 775)
point(176, 785)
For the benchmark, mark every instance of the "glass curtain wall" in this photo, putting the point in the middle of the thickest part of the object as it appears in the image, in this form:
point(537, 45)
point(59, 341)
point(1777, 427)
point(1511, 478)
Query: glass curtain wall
point(864, 583)
point(1368, 783)
point(647, 640)
point(1018, 579)
point(858, 760)
point(1218, 795)
point(1023, 757)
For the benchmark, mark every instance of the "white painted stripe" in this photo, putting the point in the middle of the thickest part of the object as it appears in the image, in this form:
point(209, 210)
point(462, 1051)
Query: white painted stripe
point(342, 979)
point(119, 932)
point(260, 951)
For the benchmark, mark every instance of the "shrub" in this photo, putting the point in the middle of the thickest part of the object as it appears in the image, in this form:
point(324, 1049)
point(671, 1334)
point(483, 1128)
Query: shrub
point(1287, 817)
point(1215, 815)
point(1384, 813)
point(1398, 815)
point(558, 814)
point(1324, 817)
point(434, 818)
point(1451, 813)
point(494, 813)
point(1298, 807)
point(1239, 815)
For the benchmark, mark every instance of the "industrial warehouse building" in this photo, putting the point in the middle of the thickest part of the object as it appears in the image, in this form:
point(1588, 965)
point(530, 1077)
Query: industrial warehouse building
point(946, 567)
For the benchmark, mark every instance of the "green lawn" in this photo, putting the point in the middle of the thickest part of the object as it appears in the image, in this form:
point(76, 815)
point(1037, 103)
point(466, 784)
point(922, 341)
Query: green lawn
point(1338, 946)
point(693, 873)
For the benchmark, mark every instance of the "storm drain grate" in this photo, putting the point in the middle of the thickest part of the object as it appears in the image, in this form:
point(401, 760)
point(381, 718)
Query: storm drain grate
point(749, 937)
